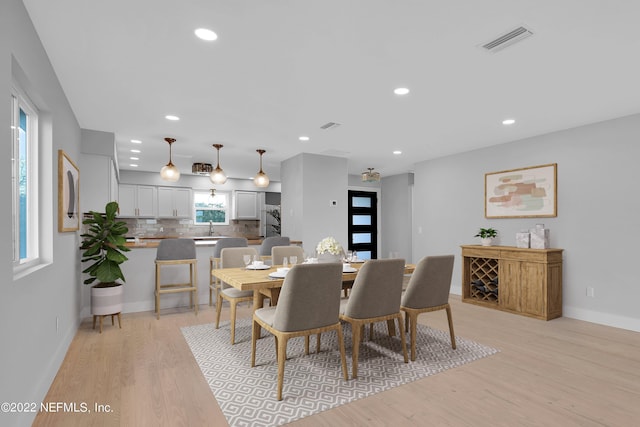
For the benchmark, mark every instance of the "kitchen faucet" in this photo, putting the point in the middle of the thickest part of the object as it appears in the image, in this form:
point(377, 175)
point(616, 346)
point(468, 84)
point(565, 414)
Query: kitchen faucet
point(210, 228)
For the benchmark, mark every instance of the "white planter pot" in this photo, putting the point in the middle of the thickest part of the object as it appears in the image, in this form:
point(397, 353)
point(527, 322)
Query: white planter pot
point(322, 258)
point(487, 241)
point(107, 300)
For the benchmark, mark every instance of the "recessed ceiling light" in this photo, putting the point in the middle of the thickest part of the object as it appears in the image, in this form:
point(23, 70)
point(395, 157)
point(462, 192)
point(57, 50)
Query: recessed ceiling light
point(206, 34)
point(397, 152)
point(508, 122)
point(401, 91)
point(304, 138)
point(136, 141)
point(135, 151)
point(172, 118)
point(134, 158)
point(133, 165)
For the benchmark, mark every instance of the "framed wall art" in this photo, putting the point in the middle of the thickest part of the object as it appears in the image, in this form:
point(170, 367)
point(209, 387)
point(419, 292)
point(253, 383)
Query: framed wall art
point(68, 194)
point(521, 193)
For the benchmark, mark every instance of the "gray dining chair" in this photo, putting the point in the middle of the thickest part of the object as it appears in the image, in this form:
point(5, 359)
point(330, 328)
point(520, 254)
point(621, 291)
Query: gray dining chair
point(214, 261)
point(279, 252)
point(232, 258)
point(309, 304)
point(172, 252)
point(375, 297)
point(265, 248)
point(428, 290)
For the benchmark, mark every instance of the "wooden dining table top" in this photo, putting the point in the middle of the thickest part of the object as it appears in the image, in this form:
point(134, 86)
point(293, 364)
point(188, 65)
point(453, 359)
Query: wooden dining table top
point(245, 279)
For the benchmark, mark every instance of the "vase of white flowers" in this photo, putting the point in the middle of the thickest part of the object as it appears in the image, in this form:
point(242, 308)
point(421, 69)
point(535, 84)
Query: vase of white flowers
point(329, 250)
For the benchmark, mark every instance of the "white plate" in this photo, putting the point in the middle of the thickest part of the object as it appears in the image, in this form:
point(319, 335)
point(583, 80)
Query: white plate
point(276, 275)
point(349, 270)
point(258, 267)
point(357, 261)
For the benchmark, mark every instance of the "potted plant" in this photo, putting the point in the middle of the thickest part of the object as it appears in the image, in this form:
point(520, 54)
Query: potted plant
point(103, 246)
point(329, 250)
point(487, 235)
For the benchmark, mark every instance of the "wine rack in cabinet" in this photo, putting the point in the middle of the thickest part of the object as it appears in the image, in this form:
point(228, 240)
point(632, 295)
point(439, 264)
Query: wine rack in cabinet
point(522, 281)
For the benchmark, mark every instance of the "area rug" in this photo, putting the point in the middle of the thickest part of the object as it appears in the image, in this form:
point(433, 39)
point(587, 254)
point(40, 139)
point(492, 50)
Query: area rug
point(314, 383)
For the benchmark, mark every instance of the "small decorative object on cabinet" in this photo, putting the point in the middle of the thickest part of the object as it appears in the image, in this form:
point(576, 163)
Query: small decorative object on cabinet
point(487, 235)
point(518, 280)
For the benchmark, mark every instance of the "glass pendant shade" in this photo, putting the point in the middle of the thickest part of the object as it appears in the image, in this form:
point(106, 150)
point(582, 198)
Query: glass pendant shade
point(170, 172)
point(261, 179)
point(217, 175)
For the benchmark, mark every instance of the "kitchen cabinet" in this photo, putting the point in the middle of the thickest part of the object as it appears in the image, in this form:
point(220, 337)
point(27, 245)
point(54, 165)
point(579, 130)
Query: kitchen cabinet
point(99, 182)
point(518, 280)
point(137, 201)
point(174, 202)
point(246, 205)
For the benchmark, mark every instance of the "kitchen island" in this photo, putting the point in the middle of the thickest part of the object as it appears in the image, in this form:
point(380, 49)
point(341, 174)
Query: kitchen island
point(139, 272)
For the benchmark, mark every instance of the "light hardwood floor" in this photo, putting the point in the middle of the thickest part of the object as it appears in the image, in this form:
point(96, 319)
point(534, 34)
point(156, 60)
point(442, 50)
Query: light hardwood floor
point(559, 373)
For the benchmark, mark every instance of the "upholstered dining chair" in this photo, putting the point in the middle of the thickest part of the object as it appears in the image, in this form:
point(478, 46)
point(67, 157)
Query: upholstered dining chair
point(428, 290)
point(270, 242)
point(375, 297)
point(232, 258)
point(279, 252)
point(214, 261)
point(309, 304)
point(172, 252)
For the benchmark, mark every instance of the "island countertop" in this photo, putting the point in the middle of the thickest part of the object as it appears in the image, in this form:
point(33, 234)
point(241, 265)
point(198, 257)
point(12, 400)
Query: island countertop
point(153, 242)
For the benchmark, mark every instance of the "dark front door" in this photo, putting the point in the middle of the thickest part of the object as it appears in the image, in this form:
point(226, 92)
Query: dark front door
point(363, 220)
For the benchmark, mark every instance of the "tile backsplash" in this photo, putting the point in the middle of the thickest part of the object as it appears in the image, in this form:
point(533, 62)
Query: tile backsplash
point(156, 228)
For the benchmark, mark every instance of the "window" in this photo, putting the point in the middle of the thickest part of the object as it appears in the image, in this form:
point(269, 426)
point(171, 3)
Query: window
point(24, 129)
point(211, 208)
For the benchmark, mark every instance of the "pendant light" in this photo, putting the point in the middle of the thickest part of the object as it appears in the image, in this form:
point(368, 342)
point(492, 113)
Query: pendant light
point(261, 179)
point(170, 172)
point(217, 175)
point(370, 176)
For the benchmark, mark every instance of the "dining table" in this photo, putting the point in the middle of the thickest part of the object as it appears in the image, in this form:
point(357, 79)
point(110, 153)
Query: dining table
point(265, 286)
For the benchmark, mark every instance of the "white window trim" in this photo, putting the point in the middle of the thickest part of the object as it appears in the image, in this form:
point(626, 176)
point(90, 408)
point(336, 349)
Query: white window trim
point(21, 101)
point(227, 209)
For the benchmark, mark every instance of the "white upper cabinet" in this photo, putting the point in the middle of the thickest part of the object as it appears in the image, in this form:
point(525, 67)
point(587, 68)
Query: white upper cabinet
point(246, 205)
point(174, 202)
point(137, 201)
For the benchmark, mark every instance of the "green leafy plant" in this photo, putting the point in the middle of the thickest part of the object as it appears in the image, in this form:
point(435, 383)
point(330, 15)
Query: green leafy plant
point(275, 213)
point(103, 244)
point(486, 233)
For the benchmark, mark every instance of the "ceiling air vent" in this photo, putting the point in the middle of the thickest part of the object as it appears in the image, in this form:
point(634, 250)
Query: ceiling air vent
point(507, 39)
point(329, 125)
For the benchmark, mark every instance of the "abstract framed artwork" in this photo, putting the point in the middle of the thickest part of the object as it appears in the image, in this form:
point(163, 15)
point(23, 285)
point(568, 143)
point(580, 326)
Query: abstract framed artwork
point(68, 194)
point(521, 193)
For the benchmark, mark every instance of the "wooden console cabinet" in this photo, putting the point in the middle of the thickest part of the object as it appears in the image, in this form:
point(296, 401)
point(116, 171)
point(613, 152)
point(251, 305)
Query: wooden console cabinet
point(522, 281)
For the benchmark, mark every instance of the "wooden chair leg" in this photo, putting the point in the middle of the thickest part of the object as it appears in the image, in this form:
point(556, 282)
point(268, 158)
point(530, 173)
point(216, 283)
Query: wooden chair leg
point(101, 318)
point(451, 333)
point(112, 321)
point(391, 328)
point(356, 331)
point(218, 310)
point(94, 321)
point(306, 345)
point(343, 358)
point(255, 333)
point(282, 356)
point(120, 320)
point(402, 339)
point(318, 343)
point(413, 319)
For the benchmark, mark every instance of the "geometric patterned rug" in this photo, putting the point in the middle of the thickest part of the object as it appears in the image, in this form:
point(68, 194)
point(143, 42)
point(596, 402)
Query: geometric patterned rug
point(314, 383)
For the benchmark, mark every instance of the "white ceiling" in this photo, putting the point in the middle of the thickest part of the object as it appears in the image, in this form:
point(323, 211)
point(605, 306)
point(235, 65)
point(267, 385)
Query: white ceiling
point(283, 68)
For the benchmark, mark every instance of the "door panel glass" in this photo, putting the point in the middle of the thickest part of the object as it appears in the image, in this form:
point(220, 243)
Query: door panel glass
point(361, 238)
point(361, 202)
point(364, 255)
point(361, 219)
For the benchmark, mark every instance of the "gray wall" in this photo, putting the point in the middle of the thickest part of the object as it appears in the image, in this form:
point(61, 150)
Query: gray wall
point(309, 183)
point(395, 231)
point(32, 347)
point(597, 223)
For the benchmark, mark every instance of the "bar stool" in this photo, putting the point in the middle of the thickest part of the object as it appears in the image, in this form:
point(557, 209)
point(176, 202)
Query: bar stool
point(177, 252)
